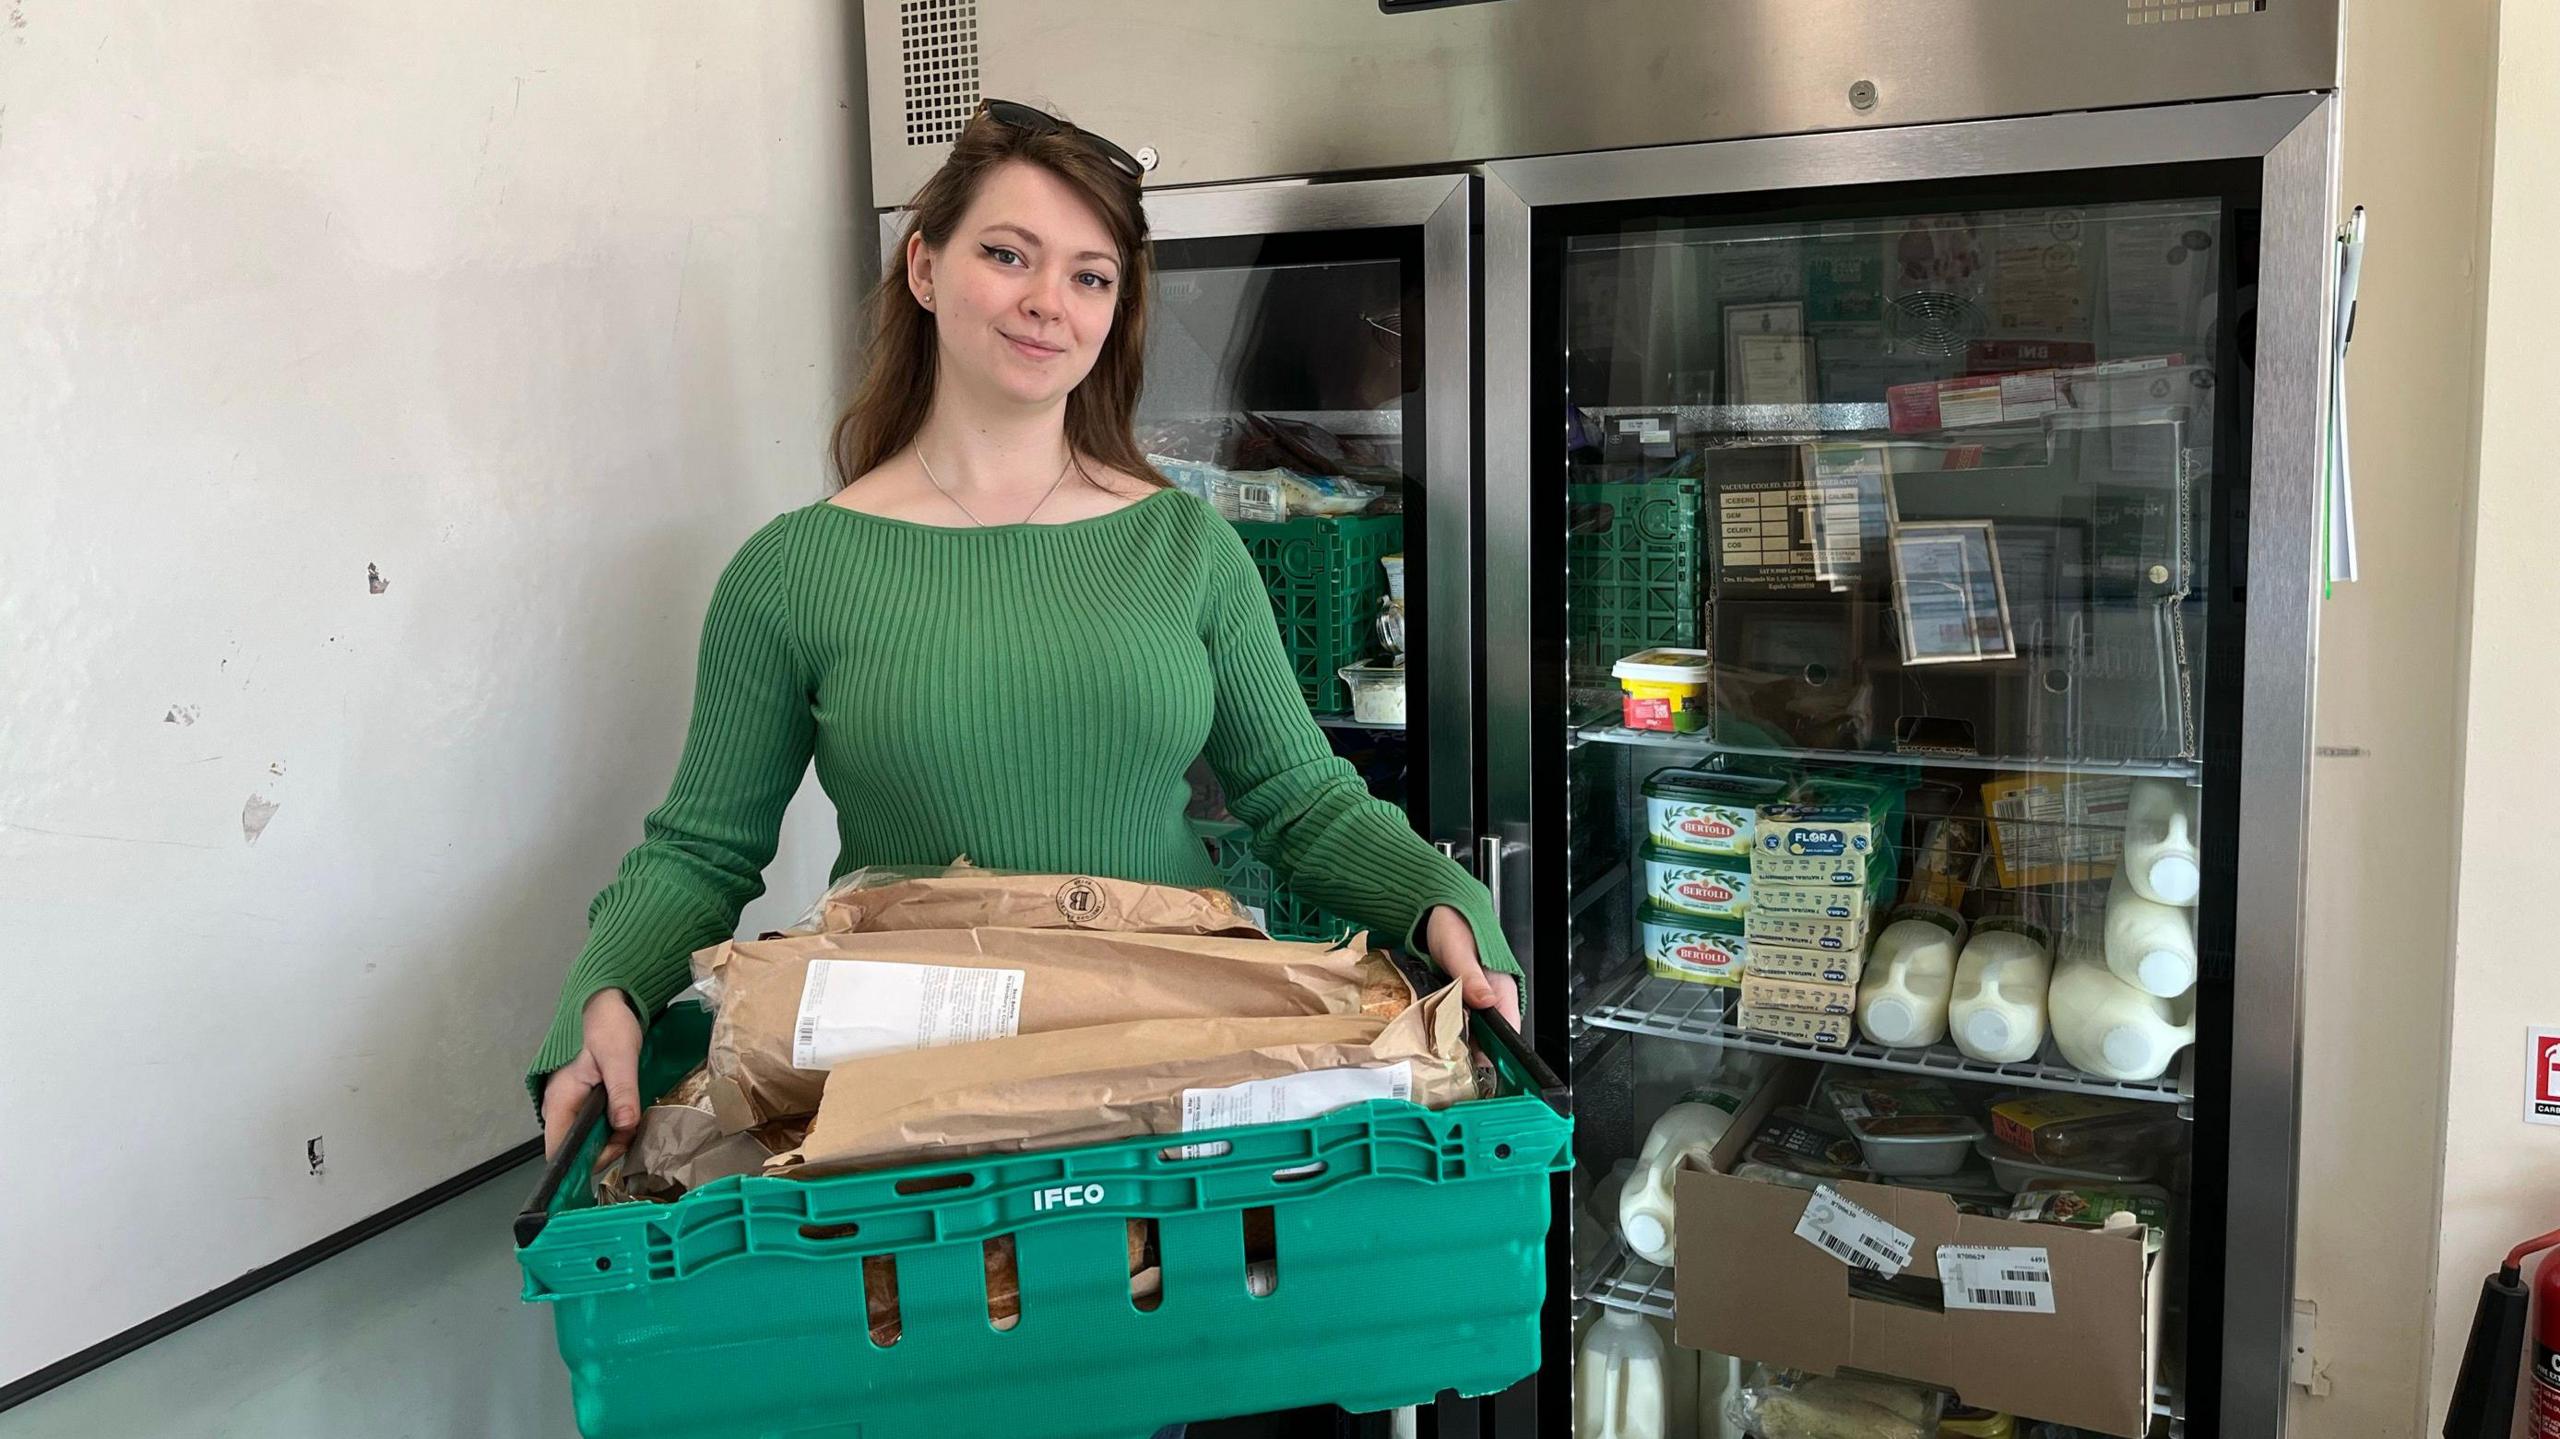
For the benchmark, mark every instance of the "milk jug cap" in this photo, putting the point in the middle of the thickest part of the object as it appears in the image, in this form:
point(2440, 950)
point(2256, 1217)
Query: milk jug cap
point(1646, 1233)
point(2166, 973)
point(2175, 879)
point(2126, 1049)
point(1988, 1029)
point(1890, 1021)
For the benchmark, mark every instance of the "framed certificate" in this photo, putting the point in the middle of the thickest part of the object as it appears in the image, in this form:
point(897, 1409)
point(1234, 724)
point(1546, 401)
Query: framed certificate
point(1768, 359)
point(1953, 599)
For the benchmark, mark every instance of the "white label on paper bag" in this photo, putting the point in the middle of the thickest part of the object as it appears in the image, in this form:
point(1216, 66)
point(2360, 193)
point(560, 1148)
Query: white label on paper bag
point(850, 1008)
point(1290, 1097)
point(2014, 1281)
point(1853, 1234)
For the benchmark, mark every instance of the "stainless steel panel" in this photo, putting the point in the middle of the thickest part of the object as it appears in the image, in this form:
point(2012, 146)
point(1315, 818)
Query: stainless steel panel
point(1450, 484)
point(1438, 206)
point(2297, 278)
point(2239, 129)
point(1511, 440)
point(1225, 91)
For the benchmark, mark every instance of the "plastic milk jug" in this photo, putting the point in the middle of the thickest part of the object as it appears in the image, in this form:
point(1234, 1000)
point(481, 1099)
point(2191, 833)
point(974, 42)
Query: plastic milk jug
point(1902, 996)
point(2160, 840)
point(1997, 1013)
point(1687, 1129)
point(1617, 1383)
point(2150, 946)
point(2106, 1026)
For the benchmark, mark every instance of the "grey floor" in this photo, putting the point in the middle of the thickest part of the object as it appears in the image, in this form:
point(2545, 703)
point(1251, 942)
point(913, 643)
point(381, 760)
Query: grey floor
point(414, 1334)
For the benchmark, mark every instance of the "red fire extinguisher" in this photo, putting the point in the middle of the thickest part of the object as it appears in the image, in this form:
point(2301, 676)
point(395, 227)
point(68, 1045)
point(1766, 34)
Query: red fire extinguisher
point(2484, 1392)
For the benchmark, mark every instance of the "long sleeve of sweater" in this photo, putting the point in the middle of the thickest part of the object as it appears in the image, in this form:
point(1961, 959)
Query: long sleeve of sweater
point(1324, 834)
point(703, 851)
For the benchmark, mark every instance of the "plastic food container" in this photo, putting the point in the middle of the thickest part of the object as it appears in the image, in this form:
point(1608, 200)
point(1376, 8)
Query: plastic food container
point(1695, 884)
point(1666, 689)
point(1704, 811)
point(1917, 1144)
point(1686, 947)
point(1377, 692)
point(2016, 1170)
point(1907, 1125)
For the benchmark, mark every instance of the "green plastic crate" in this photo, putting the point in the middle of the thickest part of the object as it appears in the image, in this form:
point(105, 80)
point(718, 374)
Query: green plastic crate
point(1240, 873)
point(1637, 583)
point(1411, 1261)
point(1325, 584)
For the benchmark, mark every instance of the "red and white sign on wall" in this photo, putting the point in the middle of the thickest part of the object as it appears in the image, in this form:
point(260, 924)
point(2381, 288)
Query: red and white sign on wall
point(2542, 1076)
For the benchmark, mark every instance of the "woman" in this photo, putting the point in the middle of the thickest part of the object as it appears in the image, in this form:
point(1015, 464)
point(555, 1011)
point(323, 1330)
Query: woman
point(1004, 636)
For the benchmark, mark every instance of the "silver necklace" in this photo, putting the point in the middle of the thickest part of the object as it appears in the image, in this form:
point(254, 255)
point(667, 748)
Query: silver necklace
point(1045, 495)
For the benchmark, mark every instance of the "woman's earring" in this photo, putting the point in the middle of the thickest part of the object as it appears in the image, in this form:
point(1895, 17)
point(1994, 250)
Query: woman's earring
point(928, 299)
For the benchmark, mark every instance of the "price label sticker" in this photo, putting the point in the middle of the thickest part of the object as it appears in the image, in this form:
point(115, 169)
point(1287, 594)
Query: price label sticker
point(1853, 1234)
point(2014, 1281)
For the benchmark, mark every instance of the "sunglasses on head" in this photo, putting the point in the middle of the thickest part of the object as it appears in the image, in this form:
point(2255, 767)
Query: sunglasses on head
point(1037, 121)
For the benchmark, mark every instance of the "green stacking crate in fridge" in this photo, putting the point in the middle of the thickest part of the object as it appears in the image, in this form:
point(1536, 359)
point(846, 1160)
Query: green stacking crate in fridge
point(1410, 1253)
point(1325, 583)
point(1637, 571)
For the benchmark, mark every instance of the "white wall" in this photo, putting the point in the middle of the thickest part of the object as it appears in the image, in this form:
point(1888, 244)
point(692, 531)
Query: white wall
point(2382, 819)
point(2501, 1175)
point(533, 310)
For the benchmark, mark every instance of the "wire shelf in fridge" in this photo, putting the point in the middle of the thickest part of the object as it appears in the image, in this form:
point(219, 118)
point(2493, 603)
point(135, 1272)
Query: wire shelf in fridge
point(1702, 1014)
point(1624, 1281)
point(1698, 745)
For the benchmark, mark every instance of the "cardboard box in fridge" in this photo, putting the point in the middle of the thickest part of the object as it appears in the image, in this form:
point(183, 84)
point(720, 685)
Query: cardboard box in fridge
point(1748, 1285)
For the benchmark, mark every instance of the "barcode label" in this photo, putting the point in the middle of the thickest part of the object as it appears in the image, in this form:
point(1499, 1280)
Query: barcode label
point(853, 1008)
point(2011, 1281)
point(2042, 831)
point(1853, 1234)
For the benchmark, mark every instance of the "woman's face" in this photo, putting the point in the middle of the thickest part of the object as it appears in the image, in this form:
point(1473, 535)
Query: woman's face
point(1023, 293)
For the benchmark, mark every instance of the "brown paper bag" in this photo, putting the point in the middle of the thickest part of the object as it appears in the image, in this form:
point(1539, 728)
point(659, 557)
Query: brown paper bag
point(1111, 1081)
point(961, 897)
point(1071, 979)
point(679, 1146)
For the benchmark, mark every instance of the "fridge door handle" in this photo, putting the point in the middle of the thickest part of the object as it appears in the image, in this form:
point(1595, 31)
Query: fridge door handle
point(1489, 869)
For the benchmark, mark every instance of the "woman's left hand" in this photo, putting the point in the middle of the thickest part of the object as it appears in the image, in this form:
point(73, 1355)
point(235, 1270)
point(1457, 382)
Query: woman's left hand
point(1452, 944)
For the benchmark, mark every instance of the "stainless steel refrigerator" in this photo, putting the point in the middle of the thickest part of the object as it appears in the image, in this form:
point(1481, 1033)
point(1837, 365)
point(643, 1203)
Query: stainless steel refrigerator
point(1952, 379)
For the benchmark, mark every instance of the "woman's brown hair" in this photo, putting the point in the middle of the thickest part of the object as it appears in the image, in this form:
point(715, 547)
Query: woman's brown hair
point(900, 358)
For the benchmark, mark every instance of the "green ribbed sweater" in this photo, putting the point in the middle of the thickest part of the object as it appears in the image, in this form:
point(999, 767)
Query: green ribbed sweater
point(1028, 695)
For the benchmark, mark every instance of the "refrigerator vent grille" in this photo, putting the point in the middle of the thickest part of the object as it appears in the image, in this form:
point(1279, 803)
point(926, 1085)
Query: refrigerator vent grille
point(2161, 12)
point(1933, 321)
point(938, 46)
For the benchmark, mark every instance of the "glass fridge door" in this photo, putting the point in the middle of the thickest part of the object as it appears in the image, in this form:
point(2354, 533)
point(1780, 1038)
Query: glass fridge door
point(1308, 368)
point(1886, 572)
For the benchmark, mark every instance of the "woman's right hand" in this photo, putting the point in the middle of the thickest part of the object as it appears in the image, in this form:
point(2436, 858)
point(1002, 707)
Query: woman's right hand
point(611, 1058)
